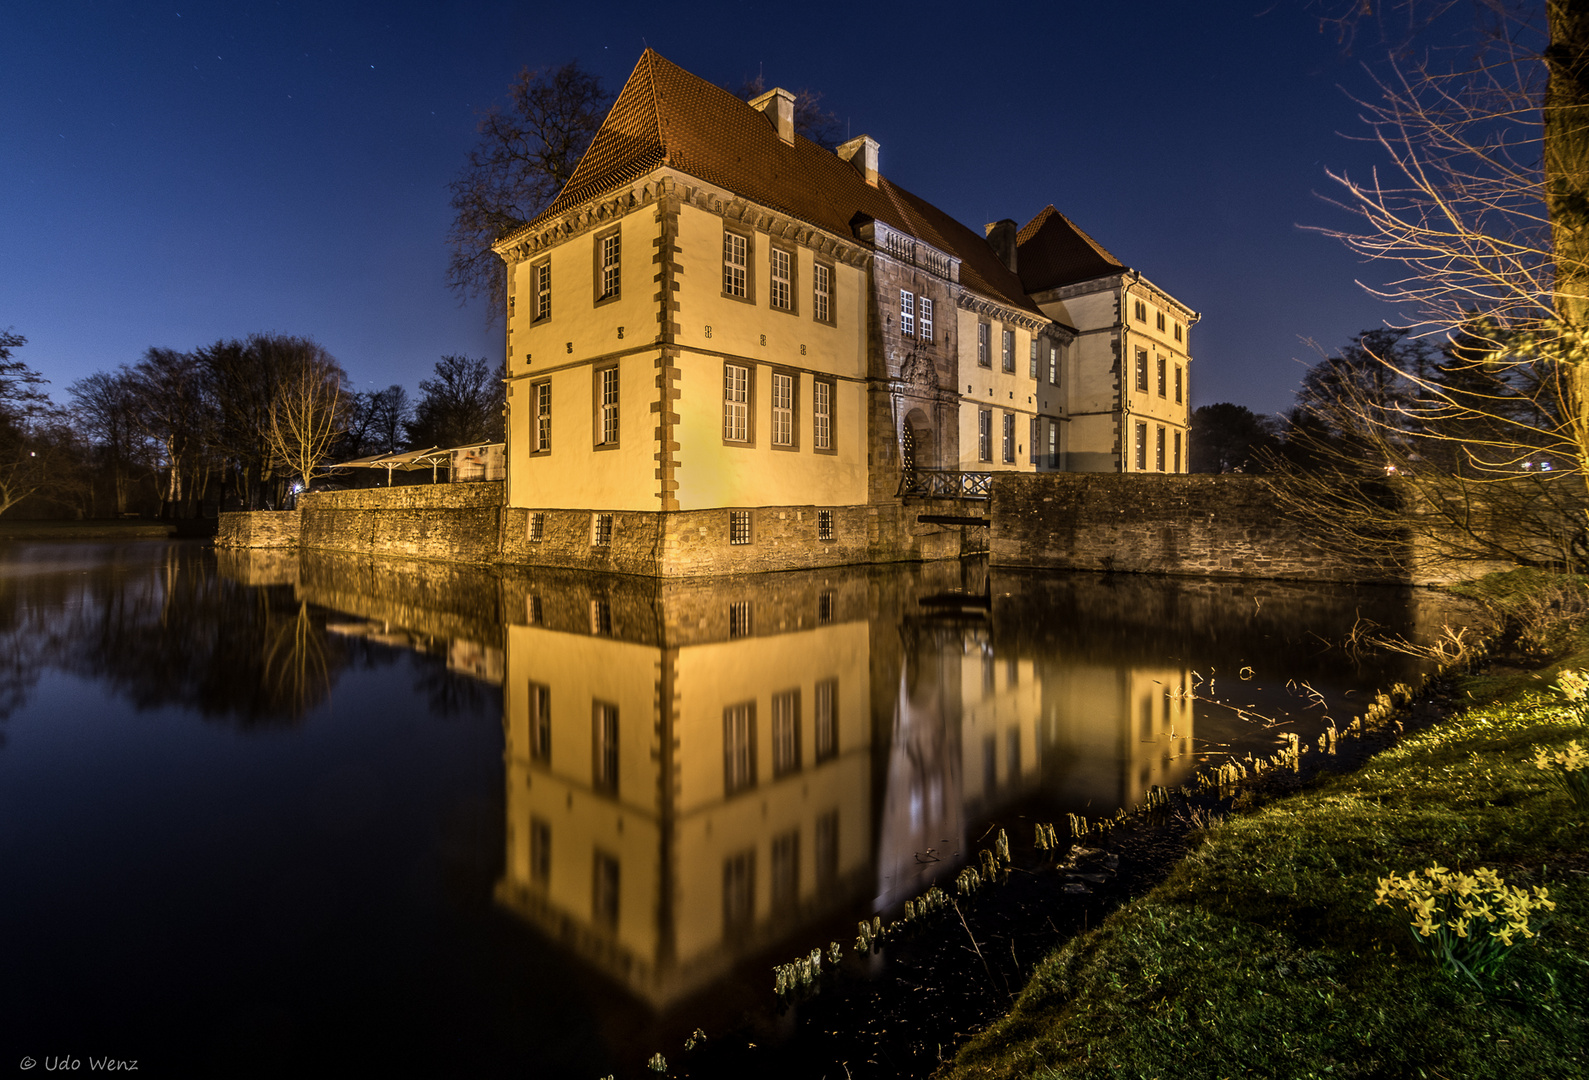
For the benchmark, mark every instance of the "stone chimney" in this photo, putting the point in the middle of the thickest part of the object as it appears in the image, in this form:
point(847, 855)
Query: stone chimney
point(1001, 238)
point(861, 152)
point(778, 105)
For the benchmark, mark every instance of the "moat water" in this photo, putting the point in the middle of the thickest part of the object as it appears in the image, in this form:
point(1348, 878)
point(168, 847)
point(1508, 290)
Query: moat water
point(267, 814)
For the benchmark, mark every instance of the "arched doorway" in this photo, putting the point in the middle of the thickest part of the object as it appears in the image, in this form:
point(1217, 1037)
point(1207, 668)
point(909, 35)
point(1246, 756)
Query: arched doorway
point(918, 443)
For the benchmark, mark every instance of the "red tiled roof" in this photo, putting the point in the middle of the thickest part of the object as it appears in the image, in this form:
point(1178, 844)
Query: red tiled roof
point(666, 116)
point(1051, 251)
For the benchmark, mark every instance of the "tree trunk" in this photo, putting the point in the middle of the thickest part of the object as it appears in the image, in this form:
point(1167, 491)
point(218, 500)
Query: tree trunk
point(1566, 122)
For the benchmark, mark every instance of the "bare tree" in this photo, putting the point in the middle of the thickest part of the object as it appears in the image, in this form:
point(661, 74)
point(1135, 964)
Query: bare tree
point(461, 405)
point(525, 154)
point(811, 120)
point(308, 414)
point(103, 411)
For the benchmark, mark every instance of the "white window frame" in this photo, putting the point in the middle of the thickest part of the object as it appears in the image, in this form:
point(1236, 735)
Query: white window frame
point(607, 406)
point(736, 402)
point(822, 415)
point(783, 409)
point(611, 267)
point(822, 293)
point(543, 417)
point(780, 293)
point(924, 317)
point(736, 264)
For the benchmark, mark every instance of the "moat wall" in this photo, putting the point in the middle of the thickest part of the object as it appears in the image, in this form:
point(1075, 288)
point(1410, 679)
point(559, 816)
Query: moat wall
point(1205, 526)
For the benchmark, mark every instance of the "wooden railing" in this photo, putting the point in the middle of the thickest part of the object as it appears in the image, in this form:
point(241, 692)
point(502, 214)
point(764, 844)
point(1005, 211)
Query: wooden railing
point(944, 484)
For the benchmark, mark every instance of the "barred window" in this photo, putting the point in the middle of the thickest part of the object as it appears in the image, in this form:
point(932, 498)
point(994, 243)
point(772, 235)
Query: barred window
point(824, 608)
point(825, 716)
point(609, 406)
point(735, 251)
point(540, 722)
point(1007, 354)
point(537, 527)
point(780, 293)
point(926, 318)
point(739, 526)
point(602, 532)
point(907, 313)
point(822, 293)
point(543, 416)
point(604, 741)
point(739, 747)
point(736, 402)
point(785, 732)
point(822, 415)
point(783, 410)
point(609, 267)
point(824, 524)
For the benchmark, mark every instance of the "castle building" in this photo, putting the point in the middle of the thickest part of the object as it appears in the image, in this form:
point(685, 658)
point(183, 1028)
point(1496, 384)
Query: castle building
point(729, 349)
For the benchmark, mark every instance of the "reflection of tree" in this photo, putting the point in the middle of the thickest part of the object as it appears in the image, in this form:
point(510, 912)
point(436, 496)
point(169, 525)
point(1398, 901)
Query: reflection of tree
point(449, 693)
point(295, 670)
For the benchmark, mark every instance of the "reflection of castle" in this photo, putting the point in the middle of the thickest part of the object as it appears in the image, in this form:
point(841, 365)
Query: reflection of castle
point(696, 772)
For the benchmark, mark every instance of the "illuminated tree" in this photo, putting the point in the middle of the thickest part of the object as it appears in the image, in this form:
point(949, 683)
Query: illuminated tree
point(307, 414)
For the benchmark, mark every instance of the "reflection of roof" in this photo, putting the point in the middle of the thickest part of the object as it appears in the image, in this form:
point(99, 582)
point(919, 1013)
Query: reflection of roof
point(666, 116)
point(1052, 251)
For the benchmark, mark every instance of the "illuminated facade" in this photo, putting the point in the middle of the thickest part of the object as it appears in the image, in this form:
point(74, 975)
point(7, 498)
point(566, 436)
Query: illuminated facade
point(727, 345)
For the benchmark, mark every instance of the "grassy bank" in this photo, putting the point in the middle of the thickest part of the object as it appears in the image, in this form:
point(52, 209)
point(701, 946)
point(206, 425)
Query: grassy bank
point(1263, 954)
point(126, 529)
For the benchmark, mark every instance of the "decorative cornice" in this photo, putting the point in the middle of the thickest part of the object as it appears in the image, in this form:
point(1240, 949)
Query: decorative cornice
point(981, 305)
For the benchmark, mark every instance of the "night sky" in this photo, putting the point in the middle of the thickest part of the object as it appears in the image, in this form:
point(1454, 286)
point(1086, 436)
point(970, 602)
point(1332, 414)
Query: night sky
point(176, 173)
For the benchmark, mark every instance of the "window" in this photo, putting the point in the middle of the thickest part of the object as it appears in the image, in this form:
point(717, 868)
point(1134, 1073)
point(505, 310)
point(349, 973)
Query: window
point(604, 891)
point(537, 527)
point(1177, 331)
point(822, 293)
point(827, 850)
point(607, 406)
point(540, 722)
point(601, 530)
point(1142, 446)
point(822, 416)
point(926, 318)
point(1179, 385)
point(1142, 369)
point(781, 292)
point(783, 410)
point(540, 852)
point(1053, 444)
point(1163, 377)
point(1007, 351)
point(1033, 438)
point(785, 732)
point(984, 345)
point(541, 442)
point(1140, 310)
point(604, 746)
point(739, 747)
point(607, 266)
point(533, 614)
point(541, 290)
point(824, 524)
point(907, 313)
point(1034, 358)
point(739, 619)
point(736, 402)
point(826, 718)
point(984, 435)
point(739, 526)
point(1177, 452)
point(601, 618)
point(786, 870)
point(1053, 365)
point(1009, 437)
point(1160, 322)
point(736, 261)
point(1159, 447)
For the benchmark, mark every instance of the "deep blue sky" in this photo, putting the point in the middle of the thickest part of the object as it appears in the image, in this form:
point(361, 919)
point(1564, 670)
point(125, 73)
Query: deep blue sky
point(174, 173)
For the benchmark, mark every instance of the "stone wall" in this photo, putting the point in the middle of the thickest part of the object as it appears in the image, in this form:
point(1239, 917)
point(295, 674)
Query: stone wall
point(1213, 526)
point(455, 522)
point(258, 529)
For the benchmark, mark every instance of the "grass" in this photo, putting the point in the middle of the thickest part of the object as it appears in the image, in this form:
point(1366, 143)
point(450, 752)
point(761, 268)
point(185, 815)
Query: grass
point(1263, 955)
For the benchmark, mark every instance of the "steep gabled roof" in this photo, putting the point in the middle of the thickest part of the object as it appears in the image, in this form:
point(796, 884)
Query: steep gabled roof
point(1052, 251)
point(666, 116)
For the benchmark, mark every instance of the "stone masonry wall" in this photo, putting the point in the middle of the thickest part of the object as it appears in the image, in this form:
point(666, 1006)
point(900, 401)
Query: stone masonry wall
point(258, 529)
point(457, 522)
point(1214, 526)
